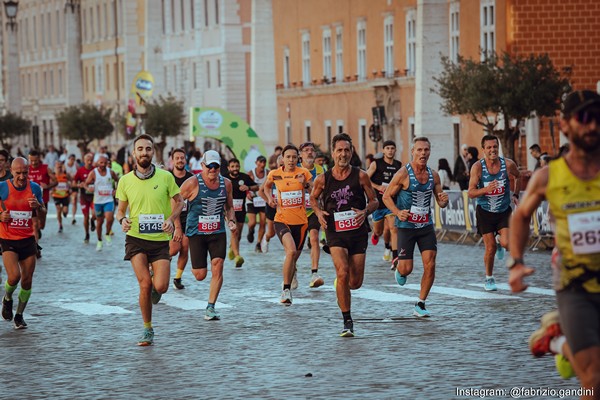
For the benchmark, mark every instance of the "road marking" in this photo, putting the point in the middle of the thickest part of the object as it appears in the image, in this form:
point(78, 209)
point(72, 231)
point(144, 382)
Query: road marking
point(468, 294)
point(534, 290)
point(92, 308)
point(187, 303)
point(370, 294)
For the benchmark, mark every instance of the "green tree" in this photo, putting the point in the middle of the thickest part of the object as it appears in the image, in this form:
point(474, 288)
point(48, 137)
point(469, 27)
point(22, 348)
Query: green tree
point(504, 87)
point(12, 126)
point(85, 123)
point(165, 117)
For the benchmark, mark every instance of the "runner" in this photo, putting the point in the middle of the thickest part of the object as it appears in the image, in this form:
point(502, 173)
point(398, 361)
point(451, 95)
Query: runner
point(86, 198)
point(307, 151)
point(60, 193)
point(21, 198)
point(180, 243)
point(571, 185)
point(413, 184)
point(241, 184)
point(71, 169)
point(147, 191)
point(43, 176)
point(4, 166)
point(102, 181)
point(270, 213)
point(256, 204)
point(489, 183)
point(381, 172)
point(209, 196)
point(290, 221)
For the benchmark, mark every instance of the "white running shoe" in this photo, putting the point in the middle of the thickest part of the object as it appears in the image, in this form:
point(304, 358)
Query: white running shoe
point(264, 245)
point(99, 246)
point(387, 255)
point(316, 281)
point(286, 297)
point(295, 281)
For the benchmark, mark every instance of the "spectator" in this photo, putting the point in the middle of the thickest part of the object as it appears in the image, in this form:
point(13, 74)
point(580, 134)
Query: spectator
point(51, 156)
point(368, 160)
point(129, 164)
point(473, 157)
point(64, 156)
point(273, 158)
point(355, 161)
point(195, 162)
point(536, 152)
point(544, 160)
point(461, 168)
point(444, 173)
point(563, 150)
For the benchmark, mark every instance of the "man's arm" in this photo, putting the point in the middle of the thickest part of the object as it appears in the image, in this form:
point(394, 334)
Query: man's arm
point(513, 170)
point(91, 178)
point(53, 182)
point(121, 218)
point(315, 195)
point(399, 182)
point(441, 197)
point(230, 213)
point(372, 202)
point(474, 180)
point(189, 189)
point(265, 192)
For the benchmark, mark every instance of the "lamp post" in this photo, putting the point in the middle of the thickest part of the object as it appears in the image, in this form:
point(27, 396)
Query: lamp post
point(13, 81)
point(10, 8)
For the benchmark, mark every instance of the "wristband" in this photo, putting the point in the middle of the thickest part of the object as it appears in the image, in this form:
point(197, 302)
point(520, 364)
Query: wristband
point(121, 220)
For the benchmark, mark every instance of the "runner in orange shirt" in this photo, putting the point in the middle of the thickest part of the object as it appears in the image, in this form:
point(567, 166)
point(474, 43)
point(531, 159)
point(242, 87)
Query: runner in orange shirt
point(60, 193)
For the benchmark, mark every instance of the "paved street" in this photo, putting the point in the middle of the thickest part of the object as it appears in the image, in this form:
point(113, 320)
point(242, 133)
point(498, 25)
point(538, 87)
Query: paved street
point(84, 322)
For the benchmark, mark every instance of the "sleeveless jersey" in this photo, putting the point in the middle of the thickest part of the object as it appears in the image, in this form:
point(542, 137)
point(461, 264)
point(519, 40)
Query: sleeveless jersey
point(316, 171)
point(417, 199)
point(499, 200)
point(179, 182)
point(40, 175)
point(339, 197)
point(383, 175)
point(256, 200)
point(575, 207)
point(61, 190)
point(20, 225)
point(103, 187)
point(206, 212)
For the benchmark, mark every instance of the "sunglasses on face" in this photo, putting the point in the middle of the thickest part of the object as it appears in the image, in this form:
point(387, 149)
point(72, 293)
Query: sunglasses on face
point(586, 116)
point(213, 166)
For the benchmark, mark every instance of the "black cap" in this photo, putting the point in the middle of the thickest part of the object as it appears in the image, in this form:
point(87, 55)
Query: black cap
point(261, 158)
point(577, 101)
point(389, 143)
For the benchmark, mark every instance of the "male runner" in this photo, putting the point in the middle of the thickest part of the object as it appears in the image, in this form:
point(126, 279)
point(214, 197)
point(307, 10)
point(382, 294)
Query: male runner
point(489, 183)
point(571, 185)
point(102, 181)
point(71, 168)
point(60, 193)
point(209, 197)
point(4, 167)
point(86, 198)
point(42, 175)
point(290, 220)
point(180, 243)
point(255, 204)
point(342, 191)
point(20, 198)
point(147, 191)
point(413, 184)
point(381, 171)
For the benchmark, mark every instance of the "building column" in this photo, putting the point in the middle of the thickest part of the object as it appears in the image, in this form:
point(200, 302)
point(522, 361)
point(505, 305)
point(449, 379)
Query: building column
point(13, 80)
point(73, 76)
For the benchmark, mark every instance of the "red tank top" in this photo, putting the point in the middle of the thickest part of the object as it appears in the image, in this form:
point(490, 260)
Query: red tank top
point(40, 175)
point(20, 225)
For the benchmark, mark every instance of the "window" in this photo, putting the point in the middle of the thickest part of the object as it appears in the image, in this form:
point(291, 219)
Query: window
point(60, 82)
point(217, 12)
point(91, 16)
point(172, 16)
point(166, 77)
point(84, 30)
point(43, 22)
point(205, 12)
point(411, 43)
point(288, 131)
point(340, 126)
point(192, 13)
point(105, 20)
point(339, 54)
point(306, 58)
point(34, 34)
point(116, 75)
point(58, 25)
point(49, 29)
point(454, 31)
point(327, 54)
point(45, 84)
point(286, 67)
point(182, 16)
point(175, 87)
point(327, 135)
point(307, 136)
point(52, 83)
point(388, 44)
point(195, 76)
point(488, 29)
point(361, 47)
point(98, 26)
point(218, 73)
point(107, 77)
point(363, 138)
point(208, 74)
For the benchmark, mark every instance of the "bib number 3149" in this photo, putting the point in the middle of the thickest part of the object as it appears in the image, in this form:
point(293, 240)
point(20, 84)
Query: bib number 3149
point(151, 223)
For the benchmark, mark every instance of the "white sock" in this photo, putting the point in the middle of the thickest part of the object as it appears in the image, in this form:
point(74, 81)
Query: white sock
point(489, 276)
point(556, 344)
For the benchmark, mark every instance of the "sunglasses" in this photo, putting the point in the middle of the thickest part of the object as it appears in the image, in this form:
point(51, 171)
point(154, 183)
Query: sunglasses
point(586, 116)
point(213, 166)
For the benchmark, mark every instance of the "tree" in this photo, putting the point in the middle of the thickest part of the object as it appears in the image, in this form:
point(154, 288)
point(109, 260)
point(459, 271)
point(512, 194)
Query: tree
point(502, 88)
point(12, 126)
point(165, 117)
point(85, 123)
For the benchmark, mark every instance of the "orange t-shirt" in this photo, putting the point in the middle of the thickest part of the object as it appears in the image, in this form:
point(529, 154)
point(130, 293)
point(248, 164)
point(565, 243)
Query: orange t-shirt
point(290, 196)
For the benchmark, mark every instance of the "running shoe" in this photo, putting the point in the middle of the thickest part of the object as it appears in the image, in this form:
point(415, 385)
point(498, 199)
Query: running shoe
point(257, 248)
point(387, 255)
point(315, 280)
point(401, 279)
point(20, 322)
point(239, 261)
point(295, 281)
point(99, 245)
point(211, 314)
point(348, 330)
point(500, 251)
point(374, 239)
point(147, 338)
point(286, 297)
point(490, 285)
point(65, 213)
point(264, 244)
point(108, 239)
point(564, 367)
point(7, 309)
point(231, 254)
point(539, 341)
point(93, 225)
point(87, 239)
point(420, 310)
point(155, 296)
point(60, 229)
point(177, 284)
point(250, 236)
point(73, 222)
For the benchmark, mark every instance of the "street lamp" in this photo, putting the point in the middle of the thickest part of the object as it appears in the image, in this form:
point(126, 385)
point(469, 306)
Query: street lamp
point(72, 4)
point(11, 7)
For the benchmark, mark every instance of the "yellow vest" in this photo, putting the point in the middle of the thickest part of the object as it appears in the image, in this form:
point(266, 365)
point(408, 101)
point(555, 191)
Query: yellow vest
point(575, 207)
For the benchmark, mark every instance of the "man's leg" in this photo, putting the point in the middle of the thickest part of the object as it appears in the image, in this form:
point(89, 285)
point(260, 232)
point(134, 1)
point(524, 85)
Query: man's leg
point(428, 257)
point(587, 367)
point(489, 241)
point(390, 223)
point(216, 280)
point(139, 262)
point(85, 210)
point(74, 201)
point(251, 225)
point(59, 209)
point(109, 222)
point(261, 226)
point(13, 276)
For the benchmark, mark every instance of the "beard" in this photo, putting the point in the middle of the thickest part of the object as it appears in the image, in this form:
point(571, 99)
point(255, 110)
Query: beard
point(584, 143)
point(144, 162)
point(180, 168)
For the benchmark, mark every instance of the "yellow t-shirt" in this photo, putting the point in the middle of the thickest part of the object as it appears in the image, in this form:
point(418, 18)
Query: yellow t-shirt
point(291, 208)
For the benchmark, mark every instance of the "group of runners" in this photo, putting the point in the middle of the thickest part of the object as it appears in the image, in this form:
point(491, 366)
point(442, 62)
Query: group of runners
point(176, 213)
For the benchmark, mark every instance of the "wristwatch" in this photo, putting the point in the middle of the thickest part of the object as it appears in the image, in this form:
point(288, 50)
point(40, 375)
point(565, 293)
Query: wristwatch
point(512, 262)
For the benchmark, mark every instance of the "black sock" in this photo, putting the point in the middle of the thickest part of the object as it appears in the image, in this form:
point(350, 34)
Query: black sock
point(394, 254)
point(347, 317)
point(314, 271)
point(387, 246)
point(288, 286)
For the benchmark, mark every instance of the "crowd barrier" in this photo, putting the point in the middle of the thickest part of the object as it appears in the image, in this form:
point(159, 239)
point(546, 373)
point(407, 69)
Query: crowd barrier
point(459, 217)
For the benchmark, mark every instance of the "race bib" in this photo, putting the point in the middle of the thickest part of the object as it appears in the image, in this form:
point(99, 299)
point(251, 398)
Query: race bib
point(238, 204)
point(585, 232)
point(418, 215)
point(151, 223)
point(62, 186)
point(345, 221)
point(105, 190)
point(209, 223)
point(258, 201)
point(307, 201)
point(499, 190)
point(20, 219)
point(291, 199)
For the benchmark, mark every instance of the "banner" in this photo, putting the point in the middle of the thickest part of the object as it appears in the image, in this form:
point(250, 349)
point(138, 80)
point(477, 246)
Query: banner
point(140, 92)
point(453, 217)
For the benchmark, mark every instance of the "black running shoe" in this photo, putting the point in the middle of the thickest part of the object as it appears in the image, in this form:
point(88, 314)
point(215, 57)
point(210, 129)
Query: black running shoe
point(7, 312)
point(93, 225)
point(38, 253)
point(20, 322)
point(257, 249)
point(250, 236)
point(74, 221)
point(348, 330)
point(177, 284)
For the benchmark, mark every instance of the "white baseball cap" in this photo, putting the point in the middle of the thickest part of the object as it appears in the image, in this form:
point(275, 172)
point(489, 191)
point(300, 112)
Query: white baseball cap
point(210, 157)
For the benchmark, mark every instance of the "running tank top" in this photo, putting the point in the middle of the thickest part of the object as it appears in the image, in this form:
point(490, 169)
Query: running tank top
point(575, 207)
point(103, 187)
point(20, 225)
point(417, 199)
point(256, 200)
point(383, 175)
point(61, 190)
point(499, 200)
point(339, 197)
point(40, 175)
point(179, 182)
point(206, 212)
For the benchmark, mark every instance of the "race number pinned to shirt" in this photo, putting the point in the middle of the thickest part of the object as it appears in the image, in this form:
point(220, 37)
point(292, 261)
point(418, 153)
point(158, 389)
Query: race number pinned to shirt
point(258, 201)
point(345, 221)
point(418, 215)
point(292, 199)
point(209, 223)
point(238, 204)
point(20, 219)
point(62, 186)
point(151, 223)
point(498, 191)
point(307, 201)
point(585, 232)
point(105, 190)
